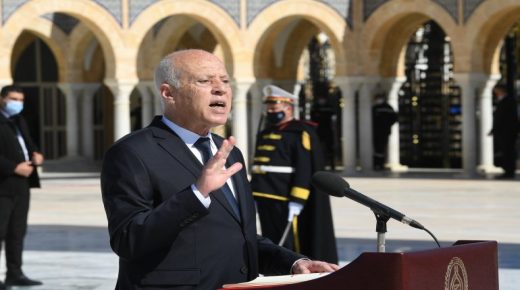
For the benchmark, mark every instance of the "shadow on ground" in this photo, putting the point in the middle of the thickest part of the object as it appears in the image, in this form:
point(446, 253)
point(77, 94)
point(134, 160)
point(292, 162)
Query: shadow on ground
point(95, 239)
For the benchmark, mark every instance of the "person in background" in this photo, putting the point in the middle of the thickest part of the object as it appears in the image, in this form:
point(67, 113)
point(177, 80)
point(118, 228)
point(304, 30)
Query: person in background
point(505, 132)
point(179, 206)
point(287, 154)
point(383, 117)
point(19, 157)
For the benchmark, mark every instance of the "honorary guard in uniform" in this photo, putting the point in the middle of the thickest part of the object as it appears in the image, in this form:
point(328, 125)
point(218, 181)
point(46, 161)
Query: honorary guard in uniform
point(286, 156)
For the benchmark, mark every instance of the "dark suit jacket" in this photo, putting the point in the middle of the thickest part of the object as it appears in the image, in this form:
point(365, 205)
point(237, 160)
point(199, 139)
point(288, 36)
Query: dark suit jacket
point(162, 233)
point(11, 154)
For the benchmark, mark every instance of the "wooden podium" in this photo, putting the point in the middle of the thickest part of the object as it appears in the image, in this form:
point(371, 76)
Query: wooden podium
point(466, 265)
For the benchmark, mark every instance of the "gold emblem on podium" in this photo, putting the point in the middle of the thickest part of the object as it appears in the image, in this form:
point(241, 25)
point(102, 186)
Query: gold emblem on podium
point(456, 276)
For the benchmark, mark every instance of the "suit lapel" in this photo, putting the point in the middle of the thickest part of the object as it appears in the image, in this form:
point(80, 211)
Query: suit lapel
point(173, 144)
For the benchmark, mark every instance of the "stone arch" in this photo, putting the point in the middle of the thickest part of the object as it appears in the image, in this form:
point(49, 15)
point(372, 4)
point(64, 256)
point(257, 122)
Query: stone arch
point(81, 41)
point(153, 48)
point(489, 25)
point(39, 28)
point(94, 16)
point(216, 20)
point(389, 28)
point(270, 22)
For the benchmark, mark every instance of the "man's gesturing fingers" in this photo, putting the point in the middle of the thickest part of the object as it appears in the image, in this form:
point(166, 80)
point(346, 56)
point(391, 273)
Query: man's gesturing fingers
point(214, 174)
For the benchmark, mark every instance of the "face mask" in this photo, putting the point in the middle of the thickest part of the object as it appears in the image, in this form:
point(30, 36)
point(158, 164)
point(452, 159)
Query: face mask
point(275, 117)
point(13, 107)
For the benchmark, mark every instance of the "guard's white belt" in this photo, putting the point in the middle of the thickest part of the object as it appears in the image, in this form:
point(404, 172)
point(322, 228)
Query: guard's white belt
point(271, 168)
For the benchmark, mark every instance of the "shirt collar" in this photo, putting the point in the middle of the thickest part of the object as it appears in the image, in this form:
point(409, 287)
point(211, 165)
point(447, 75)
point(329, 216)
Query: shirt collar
point(188, 137)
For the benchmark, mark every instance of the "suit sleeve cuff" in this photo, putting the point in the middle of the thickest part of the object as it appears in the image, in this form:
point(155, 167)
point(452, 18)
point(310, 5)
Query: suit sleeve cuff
point(206, 201)
point(292, 267)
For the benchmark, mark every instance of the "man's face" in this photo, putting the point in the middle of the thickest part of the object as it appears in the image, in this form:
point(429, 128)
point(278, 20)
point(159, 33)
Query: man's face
point(11, 96)
point(203, 100)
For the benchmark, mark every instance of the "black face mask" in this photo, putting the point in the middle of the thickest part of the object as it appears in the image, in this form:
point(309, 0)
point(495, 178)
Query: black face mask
point(275, 117)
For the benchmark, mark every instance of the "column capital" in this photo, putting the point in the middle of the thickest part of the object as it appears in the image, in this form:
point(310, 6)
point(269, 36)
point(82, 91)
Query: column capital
point(79, 88)
point(116, 85)
point(352, 81)
point(244, 80)
point(150, 84)
point(470, 79)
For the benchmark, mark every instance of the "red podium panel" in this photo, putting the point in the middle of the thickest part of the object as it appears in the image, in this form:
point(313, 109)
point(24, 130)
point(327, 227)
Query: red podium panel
point(467, 265)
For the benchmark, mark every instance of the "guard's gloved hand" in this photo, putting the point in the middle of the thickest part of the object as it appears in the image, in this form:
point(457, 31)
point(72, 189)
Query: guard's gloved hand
point(294, 210)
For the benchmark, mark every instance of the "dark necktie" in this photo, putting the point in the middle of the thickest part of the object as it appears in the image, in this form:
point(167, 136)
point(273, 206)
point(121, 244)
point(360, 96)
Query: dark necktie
point(204, 147)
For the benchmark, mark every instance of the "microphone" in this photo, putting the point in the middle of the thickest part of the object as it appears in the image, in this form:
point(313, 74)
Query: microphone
point(336, 186)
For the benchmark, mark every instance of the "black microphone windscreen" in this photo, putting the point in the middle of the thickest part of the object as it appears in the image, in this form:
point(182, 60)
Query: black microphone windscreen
point(329, 183)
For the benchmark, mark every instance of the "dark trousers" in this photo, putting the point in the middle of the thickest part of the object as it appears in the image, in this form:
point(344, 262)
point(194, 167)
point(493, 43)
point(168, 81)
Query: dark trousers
point(505, 153)
point(13, 226)
point(380, 149)
point(273, 220)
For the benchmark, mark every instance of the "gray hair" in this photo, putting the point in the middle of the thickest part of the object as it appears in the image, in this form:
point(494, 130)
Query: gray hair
point(165, 73)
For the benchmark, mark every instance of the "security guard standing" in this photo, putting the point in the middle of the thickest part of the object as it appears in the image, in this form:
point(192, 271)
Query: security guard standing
point(286, 156)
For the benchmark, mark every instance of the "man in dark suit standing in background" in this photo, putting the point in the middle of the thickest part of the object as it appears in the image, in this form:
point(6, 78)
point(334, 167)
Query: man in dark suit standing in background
point(383, 118)
point(505, 132)
point(18, 160)
point(179, 218)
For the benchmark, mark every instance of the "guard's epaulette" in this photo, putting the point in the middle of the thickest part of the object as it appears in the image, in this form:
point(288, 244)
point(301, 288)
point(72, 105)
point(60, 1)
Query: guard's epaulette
point(297, 125)
point(311, 123)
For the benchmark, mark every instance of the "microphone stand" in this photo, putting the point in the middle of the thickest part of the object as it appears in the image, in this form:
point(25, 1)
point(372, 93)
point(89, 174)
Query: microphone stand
point(381, 230)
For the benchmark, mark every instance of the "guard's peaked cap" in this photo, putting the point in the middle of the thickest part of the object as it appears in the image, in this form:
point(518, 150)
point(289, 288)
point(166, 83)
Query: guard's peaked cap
point(274, 94)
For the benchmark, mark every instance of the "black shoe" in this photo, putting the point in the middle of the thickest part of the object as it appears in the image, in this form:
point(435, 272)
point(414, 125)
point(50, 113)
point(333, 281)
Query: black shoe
point(2, 286)
point(21, 280)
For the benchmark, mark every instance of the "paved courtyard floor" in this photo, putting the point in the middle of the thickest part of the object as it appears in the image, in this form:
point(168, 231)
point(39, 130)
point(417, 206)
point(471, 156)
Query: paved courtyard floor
point(67, 243)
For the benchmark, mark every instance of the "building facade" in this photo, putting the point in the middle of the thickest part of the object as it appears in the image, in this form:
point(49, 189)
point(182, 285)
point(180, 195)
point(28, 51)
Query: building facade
point(87, 65)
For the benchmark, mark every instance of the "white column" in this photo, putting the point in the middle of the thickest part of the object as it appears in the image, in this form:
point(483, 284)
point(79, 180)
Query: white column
point(256, 110)
point(348, 87)
point(147, 102)
point(366, 148)
point(486, 123)
point(239, 111)
point(87, 121)
point(72, 91)
point(468, 83)
point(393, 144)
point(121, 89)
point(298, 87)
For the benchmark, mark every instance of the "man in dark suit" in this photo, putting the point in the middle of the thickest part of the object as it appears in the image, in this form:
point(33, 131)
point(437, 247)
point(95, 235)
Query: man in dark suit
point(18, 158)
point(174, 222)
point(505, 132)
point(383, 117)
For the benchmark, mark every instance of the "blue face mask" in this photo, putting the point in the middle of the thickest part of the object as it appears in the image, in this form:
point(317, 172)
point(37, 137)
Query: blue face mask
point(13, 107)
